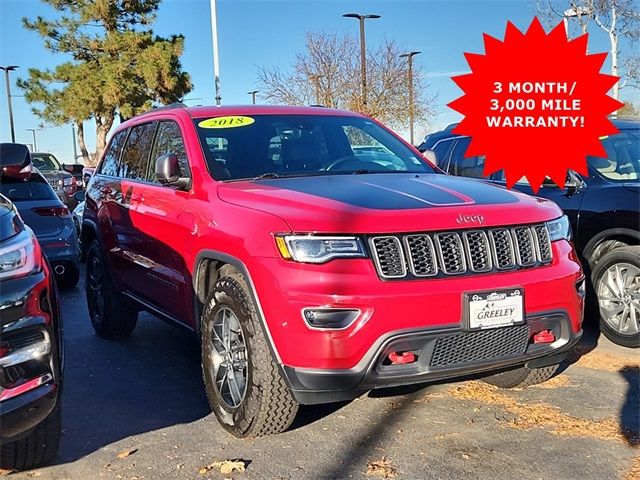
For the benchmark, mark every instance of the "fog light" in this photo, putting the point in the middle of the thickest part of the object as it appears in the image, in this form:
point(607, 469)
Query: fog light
point(331, 318)
point(34, 351)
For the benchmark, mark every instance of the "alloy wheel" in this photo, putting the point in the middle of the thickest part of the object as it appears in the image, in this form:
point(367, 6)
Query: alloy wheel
point(96, 288)
point(619, 298)
point(229, 357)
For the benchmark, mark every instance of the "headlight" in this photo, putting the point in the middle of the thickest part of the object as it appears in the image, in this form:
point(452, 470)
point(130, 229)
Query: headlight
point(68, 181)
point(18, 256)
point(318, 249)
point(559, 229)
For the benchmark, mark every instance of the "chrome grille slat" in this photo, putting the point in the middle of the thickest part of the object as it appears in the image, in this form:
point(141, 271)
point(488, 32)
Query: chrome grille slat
point(502, 246)
point(478, 251)
point(388, 256)
point(421, 255)
point(451, 253)
point(523, 246)
point(543, 243)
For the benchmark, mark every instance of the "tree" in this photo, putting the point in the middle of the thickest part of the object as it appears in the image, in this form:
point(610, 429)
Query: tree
point(117, 66)
point(617, 18)
point(629, 110)
point(328, 73)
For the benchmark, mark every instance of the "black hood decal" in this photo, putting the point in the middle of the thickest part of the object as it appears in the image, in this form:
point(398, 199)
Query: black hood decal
point(397, 191)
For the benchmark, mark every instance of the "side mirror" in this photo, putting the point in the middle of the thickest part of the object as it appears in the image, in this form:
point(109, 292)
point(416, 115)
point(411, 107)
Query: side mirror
point(574, 183)
point(15, 161)
point(79, 196)
point(168, 172)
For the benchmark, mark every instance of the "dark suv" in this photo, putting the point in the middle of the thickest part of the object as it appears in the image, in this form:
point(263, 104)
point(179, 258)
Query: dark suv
point(31, 352)
point(317, 255)
point(604, 210)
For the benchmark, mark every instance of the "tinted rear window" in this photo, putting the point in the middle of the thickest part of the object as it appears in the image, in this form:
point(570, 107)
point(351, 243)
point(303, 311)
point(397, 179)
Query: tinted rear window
point(36, 188)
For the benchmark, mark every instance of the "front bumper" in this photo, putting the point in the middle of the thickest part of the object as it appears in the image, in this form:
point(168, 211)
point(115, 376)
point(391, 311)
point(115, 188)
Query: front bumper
point(284, 289)
point(441, 353)
point(29, 391)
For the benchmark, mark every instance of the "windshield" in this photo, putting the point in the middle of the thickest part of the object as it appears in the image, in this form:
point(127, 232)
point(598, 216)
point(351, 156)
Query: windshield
point(301, 145)
point(622, 163)
point(45, 161)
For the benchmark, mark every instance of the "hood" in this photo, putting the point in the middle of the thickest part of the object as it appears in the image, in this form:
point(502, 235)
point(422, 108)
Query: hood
point(634, 186)
point(385, 203)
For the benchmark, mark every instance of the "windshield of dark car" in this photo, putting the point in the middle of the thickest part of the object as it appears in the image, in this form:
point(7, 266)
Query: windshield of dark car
point(45, 161)
point(622, 163)
point(301, 145)
point(36, 188)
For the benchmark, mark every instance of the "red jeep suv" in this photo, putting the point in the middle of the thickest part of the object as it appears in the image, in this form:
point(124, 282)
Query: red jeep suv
point(318, 255)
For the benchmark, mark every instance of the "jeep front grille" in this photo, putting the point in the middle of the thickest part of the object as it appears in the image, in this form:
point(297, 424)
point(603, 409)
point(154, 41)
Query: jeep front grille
point(460, 252)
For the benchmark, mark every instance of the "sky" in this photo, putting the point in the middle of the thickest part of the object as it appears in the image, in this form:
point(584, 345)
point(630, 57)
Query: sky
point(254, 33)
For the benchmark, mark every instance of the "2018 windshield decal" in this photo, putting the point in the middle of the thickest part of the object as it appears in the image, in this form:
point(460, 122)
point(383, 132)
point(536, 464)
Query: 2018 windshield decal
point(230, 121)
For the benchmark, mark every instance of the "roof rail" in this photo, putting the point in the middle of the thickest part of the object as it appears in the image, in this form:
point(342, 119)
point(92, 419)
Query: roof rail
point(318, 105)
point(169, 107)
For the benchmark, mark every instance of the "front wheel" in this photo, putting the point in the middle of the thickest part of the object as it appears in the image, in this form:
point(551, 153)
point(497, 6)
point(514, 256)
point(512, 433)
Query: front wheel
point(616, 281)
point(244, 385)
point(37, 448)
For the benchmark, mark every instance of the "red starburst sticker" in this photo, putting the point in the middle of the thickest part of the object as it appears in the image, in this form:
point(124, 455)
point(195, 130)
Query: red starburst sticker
point(535, 104)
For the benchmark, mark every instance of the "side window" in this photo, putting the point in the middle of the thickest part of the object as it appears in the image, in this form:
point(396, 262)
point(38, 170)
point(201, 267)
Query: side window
point(441, 149)
point(465, 167)
point(110, 163)
point(135, 158)
point(169, 140)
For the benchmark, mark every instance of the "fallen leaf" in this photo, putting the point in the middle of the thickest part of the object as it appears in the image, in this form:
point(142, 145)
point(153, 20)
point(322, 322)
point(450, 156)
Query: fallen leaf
point(126, 453)
point(381, 468)
point(466, 456)
point(226, 467)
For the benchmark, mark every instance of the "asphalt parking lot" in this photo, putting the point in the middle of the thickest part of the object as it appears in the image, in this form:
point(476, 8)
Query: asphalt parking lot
point(136, 409)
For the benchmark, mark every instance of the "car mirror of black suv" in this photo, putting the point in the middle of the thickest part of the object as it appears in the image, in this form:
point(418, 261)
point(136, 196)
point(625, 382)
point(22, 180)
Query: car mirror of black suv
point(168, 172)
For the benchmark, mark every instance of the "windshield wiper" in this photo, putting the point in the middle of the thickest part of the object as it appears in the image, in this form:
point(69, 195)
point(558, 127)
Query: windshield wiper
point(267, 175)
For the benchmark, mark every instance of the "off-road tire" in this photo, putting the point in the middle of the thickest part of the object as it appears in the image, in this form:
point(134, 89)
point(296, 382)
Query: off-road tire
point(268, 407)
point(629, 255)
point(119, 316)
point(37, 448)
point(522, 377)
point(69, 278)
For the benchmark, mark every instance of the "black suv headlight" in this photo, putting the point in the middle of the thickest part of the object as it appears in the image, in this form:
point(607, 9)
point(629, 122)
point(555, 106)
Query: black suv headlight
point(559, 229)
point(319, 249)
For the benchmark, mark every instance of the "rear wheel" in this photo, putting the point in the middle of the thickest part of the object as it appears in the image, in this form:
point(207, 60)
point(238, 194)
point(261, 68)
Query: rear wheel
point(616, 280)
point(522, 377)
point(37, 448)
point(243, 382)
point(112, 315)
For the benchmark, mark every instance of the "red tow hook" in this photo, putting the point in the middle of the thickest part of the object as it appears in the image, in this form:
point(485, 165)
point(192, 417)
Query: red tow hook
point(544, 336)
point(402, 358)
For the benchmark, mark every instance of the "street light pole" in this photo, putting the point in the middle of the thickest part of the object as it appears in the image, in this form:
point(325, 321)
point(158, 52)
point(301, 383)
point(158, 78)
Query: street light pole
point(35, 145)
point(253, 96)
point(7, 69)
point(409, 56)
point(363, 52)
point(216, 64)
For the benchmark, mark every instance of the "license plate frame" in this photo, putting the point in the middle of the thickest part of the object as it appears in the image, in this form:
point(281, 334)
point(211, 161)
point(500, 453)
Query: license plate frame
point(501, 300)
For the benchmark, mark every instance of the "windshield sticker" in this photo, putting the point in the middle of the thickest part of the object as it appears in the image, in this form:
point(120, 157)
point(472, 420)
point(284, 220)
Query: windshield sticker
point(230, 121)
